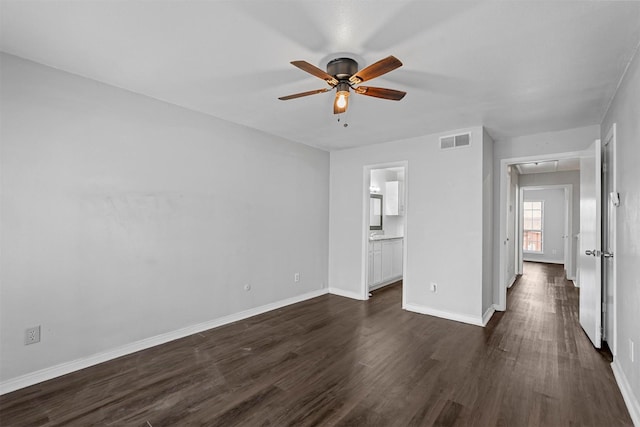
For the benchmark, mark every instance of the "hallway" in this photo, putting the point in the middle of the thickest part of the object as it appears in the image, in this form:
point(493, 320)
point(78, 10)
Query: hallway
point(337, 361)
point(557, 376)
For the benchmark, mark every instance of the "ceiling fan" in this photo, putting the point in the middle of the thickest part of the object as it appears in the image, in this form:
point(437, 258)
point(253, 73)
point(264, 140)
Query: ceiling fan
point(343, 75)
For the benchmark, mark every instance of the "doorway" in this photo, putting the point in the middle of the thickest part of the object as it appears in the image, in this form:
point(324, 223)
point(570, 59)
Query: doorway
point(512, 177)
point(384, 226)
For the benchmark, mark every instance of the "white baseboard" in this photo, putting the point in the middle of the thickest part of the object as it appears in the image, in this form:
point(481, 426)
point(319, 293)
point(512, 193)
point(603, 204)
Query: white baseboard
point(85, 362)
point(488, 314)
point(511, 281)
point(385, 283)
point(472, 320)
point(346, 294)
point(545, 260)
point(627, 393)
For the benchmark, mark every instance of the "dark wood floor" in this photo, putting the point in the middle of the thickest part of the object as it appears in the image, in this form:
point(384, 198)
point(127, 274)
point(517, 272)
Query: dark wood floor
point(335, 361)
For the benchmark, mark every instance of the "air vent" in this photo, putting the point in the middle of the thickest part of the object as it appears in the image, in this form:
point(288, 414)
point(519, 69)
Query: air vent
point(455, 141)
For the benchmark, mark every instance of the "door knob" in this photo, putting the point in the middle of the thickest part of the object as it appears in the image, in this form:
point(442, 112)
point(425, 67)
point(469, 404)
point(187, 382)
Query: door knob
point(607, 254)
point(589, 252)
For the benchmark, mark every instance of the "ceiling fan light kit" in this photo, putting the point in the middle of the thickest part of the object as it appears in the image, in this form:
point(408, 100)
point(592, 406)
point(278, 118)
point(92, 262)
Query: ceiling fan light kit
point(342, 74)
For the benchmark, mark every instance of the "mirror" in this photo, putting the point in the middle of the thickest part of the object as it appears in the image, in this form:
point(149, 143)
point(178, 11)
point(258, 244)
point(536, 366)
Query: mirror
point(375, 212)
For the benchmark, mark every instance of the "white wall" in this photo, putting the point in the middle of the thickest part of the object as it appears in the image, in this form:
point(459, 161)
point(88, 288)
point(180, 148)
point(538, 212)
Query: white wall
point(487, 222)
point(124, 217)
point(540, 144)
point(513, 210)
point(625, 112)
point(553, 225)
point(444, 230)
point(559, 178)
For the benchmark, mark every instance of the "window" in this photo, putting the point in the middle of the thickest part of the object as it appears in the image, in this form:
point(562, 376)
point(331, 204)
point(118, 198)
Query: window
point(532, 227)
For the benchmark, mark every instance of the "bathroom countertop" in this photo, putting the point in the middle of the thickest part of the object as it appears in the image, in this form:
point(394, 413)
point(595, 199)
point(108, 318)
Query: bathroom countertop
point(384, 237)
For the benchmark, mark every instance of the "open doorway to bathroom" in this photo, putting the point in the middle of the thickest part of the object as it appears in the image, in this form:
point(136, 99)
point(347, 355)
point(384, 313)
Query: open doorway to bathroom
point(385, 236)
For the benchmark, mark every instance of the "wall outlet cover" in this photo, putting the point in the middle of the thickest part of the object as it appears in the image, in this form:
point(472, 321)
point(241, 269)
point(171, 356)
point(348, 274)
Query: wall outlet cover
point(32, 335)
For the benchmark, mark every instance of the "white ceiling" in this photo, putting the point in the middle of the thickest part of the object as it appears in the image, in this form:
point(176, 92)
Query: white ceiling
point(516, 67)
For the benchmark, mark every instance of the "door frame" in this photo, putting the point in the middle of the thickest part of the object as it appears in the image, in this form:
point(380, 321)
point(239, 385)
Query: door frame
point(503, 259)
point(366, 181)
point(567, 222)
point(609, 226)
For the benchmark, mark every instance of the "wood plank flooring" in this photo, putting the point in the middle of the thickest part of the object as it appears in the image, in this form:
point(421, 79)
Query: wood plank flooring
point(338, 362)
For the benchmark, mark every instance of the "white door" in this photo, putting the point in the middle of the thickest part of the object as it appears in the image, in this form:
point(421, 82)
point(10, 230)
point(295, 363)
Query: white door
point(510, 266)
point(566, 235)
point(590, 244)
point(609, 240)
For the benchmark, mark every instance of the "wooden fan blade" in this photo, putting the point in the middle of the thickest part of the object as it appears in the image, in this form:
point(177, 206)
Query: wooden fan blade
point(380, 92)
point(312, 69)
point(301, 94)
point(379, 68)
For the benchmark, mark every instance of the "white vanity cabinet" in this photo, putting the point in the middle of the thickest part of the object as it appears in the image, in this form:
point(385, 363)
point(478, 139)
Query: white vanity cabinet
point(375, 263)
point(396, 254)
point(385, 262)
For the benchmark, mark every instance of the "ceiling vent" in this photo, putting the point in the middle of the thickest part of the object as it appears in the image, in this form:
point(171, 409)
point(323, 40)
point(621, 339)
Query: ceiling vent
point(455, 141)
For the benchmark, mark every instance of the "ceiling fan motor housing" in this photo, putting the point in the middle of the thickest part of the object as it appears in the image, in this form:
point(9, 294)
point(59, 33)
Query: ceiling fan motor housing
point(342, 68)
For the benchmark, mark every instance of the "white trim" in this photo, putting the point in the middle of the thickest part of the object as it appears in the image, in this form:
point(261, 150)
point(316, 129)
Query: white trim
point(366, 183)
point(511, 282)
point(346, 294)
point(366, 215)
point(613, 164)
point(627, 392)
point(464, 318)
point(45, 374)
point(488, 314)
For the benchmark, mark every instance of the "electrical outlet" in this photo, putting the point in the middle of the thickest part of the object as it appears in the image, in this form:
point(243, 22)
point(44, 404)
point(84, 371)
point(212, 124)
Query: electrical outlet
point(247, 287)
point(433, 287)
point(32, 335)
point(296, 277)
point(631, 350)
